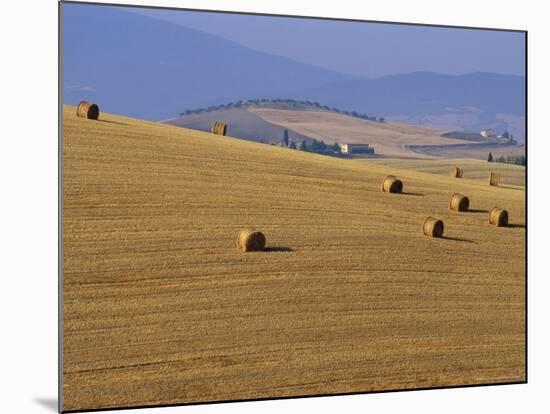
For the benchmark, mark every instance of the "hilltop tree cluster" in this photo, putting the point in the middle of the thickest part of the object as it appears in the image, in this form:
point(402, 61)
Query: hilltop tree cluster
point(281, 103)
point(314, 145)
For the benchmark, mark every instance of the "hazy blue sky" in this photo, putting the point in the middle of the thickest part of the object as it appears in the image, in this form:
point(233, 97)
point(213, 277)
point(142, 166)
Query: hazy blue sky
point(363, 49)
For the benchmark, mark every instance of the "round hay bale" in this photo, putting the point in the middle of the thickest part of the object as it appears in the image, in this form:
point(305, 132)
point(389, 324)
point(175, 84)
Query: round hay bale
point(433, 227)
point(459, 202)
point(392, 185)
point(251, 240)
point(457, 172)
point(498, 217)
point(494, 179)
point(218, 128)
point(87, 110)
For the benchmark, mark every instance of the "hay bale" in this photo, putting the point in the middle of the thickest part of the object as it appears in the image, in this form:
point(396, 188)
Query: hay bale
point(459, 202)
point(392, 185)
point(250, 240)
point(457, 172)
point(498, 217)
point(87, 110)
point(218, 128)
point(494, 179)
point(433, 227)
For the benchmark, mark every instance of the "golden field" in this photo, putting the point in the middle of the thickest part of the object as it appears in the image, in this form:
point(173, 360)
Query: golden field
point(475, 152)
point(161, 308)
point(511, 175)
point(388, 139)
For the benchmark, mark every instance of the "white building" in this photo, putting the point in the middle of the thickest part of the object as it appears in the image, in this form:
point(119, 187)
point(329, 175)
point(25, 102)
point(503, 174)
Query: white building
point(487, 133)
point(356, 149)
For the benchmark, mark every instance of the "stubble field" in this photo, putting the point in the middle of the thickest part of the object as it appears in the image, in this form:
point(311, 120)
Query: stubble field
point(161, 308)
point(512, 176)
point(388, 139)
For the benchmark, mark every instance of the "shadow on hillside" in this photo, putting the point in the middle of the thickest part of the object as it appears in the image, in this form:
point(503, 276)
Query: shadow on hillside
point(476, 210)
point(457, 239)
point(111, 122)
point(278, 249)
point(413, 194)
point(512, 187)
point(516, 226)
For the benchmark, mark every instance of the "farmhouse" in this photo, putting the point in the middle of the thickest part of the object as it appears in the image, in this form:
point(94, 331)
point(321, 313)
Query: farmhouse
point(356, 149)
point(487, 133)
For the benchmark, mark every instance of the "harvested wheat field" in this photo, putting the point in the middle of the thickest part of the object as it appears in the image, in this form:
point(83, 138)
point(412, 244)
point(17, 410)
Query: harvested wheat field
point(161, 307)
point(388, 139)
point(512, 176)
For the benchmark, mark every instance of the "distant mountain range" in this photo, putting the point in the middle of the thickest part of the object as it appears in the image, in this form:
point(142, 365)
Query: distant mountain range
point(143, 67)
point(146, 68)
point(423, 93)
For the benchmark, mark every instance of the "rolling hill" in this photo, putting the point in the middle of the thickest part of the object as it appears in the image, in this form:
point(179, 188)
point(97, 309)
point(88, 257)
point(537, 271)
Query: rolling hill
point(240, 122)
point(266, 121)
point(161, 308)
point(388, 139)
